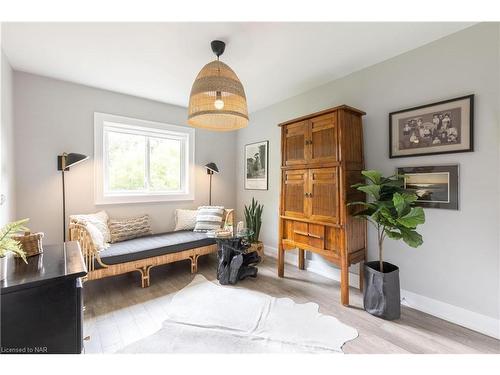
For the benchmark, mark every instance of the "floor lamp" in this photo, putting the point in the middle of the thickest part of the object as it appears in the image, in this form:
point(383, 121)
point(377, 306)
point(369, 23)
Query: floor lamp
point(211, 169)
point(65, 161)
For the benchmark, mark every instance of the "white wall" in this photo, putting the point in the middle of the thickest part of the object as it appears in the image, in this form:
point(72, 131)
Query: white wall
point(458, 263)
point(54, 116)
point(7, 212)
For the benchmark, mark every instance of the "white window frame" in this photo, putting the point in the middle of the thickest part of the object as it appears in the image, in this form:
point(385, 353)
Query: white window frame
point(105, 121)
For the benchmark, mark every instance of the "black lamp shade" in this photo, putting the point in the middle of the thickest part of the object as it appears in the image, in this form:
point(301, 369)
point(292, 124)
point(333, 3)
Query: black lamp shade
point(65, 161)
point(212, 168)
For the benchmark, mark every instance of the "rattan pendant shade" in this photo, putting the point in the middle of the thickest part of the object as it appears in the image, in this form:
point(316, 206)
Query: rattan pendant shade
point(217, 101)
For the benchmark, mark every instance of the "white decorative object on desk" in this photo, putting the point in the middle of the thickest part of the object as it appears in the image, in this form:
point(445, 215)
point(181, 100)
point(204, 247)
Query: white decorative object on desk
point(3, 268)
point(240, 227)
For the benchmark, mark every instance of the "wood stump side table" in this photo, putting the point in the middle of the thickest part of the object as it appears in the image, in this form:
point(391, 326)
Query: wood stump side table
point(235, 262)
point(258, 247)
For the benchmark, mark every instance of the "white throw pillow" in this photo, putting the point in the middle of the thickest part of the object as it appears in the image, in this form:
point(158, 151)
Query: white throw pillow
point(99, 220)
point(209, 218)
point(96, 236)
point(185, 219)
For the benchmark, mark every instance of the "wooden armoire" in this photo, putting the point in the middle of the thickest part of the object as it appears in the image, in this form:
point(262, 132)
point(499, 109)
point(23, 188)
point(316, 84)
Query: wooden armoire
point(322, 156)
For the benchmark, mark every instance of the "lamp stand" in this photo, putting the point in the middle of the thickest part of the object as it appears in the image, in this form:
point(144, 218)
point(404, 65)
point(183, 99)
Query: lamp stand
point(64, 162)
point(210, 173)
point(63, 206)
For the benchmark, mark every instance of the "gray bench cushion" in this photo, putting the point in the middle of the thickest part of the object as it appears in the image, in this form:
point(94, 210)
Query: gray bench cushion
point(151, 246)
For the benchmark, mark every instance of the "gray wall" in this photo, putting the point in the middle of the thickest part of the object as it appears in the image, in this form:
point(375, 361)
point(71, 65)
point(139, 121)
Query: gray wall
point(459, 261)
point(7, 212)
point(53, 116)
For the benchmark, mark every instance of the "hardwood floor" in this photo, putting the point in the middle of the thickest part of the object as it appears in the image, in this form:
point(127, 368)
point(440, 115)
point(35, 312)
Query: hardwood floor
point(119, 312)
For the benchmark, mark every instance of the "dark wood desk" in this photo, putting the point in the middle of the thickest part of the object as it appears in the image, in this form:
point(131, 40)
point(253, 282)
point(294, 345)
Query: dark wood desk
point(41, 302)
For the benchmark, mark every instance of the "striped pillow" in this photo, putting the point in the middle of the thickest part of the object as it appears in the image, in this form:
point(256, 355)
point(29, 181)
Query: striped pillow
point(209, 218)
point(126, 229)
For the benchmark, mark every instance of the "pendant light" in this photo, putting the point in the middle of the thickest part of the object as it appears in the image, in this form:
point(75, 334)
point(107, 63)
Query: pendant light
point(217, 101)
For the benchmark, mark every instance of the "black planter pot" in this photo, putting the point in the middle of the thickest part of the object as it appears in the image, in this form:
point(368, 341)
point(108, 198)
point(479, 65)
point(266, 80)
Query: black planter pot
point(381, 295)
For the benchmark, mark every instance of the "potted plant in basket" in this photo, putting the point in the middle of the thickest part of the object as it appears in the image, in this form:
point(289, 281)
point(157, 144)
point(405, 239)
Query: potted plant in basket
point(253, 219)
point(391, 209)
point(9, 245)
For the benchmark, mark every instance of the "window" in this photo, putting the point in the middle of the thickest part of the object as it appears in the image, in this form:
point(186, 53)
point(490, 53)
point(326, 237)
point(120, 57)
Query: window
point(141, 161)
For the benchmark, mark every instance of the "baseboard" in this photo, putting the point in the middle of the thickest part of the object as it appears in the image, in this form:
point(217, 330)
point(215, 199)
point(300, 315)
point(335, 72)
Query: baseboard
point(325, 270)
point(454, 314)
point(451, 313)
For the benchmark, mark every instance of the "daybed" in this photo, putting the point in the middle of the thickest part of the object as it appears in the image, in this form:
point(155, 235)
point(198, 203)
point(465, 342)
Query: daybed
point(141, 254)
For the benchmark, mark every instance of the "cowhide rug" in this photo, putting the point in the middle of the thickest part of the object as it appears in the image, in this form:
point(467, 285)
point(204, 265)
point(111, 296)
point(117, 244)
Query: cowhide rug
point(205, 317)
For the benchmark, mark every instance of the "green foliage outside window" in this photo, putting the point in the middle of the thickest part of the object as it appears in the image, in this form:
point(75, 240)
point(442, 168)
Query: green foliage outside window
point(128, 165)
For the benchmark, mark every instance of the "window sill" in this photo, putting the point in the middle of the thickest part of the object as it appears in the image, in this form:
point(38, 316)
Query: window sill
point(133, 199)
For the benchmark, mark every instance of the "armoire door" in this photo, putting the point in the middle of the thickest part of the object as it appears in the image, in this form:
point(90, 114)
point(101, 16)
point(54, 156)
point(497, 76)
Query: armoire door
point(294, 193)
point(324, 194)
point(323, 139)
point(295, 138)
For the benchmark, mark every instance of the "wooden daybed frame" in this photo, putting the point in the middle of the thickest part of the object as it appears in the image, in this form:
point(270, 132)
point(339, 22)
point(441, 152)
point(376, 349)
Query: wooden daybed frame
point(78, 232)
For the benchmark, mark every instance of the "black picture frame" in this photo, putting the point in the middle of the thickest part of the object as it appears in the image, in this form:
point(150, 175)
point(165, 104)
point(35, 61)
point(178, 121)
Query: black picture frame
point(256, 183)
point(466, 133)
point(429, 178)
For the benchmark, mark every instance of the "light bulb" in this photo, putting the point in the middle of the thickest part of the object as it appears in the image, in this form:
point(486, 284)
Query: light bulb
point(219, 104)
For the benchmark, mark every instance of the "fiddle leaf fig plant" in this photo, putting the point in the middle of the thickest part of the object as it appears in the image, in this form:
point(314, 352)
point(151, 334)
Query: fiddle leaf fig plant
point(391, 209)
point(7, 243)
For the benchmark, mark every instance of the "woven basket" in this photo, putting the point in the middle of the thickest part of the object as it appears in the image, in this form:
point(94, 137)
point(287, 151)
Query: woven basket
point(31, 243)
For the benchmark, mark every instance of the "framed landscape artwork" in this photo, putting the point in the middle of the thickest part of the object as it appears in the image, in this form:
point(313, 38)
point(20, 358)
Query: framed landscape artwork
point(256, 165)
point(435, 186)
point(437, 128)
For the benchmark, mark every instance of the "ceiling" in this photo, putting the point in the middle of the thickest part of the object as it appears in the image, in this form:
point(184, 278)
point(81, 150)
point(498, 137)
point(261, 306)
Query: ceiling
point(159, 61)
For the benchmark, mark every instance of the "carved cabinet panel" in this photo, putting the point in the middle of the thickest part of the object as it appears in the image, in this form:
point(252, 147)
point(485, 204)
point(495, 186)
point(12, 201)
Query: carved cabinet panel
point(323, 139)
point(323, 194)
point(295, 186)
point(311, 141)
point(296, 138)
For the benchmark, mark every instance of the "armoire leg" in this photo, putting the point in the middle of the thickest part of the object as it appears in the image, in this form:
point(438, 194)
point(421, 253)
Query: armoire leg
point(344, 284)
point(361, 276)
point(281, 261)
point(301, 259)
